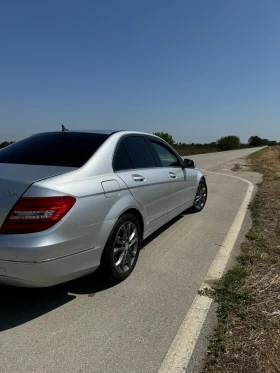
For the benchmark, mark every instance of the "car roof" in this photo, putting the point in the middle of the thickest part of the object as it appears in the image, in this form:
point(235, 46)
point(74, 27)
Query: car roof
point(104, 131)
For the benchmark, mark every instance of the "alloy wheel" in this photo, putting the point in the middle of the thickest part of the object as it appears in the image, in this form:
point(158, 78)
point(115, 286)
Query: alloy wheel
point(125, 246)
point(201, 196)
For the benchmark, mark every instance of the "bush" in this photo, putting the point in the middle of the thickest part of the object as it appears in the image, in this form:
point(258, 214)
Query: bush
point(228, 143)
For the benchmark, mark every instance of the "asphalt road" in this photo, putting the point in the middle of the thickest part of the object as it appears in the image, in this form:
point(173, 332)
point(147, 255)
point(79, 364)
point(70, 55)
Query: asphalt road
point(86, 326)
point(207, 161)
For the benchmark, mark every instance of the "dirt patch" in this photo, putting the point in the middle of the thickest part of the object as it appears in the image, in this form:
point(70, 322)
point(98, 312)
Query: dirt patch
point(241, 164)
point(247, 338)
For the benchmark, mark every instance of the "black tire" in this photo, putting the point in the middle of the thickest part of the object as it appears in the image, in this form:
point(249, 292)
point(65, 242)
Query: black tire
point(200, 197)
point(126, 254)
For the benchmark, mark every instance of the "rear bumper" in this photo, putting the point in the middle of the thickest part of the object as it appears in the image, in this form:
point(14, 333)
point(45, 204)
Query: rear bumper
point(51, 272)
point(60, 254)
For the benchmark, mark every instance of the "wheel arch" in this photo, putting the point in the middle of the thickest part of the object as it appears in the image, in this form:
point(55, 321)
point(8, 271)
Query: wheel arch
point(138, 216)
point(200, 176)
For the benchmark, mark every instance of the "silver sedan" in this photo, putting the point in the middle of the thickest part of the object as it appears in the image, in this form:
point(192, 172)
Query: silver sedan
point(74, 201)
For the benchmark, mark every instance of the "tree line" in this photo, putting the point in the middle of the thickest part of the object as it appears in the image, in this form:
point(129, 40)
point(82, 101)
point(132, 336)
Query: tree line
point(5, 143)
point(257, 141)
point(224, 143)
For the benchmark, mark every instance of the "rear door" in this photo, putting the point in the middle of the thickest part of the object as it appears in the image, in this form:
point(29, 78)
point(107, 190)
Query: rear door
point(136, 165)
point(181, 185)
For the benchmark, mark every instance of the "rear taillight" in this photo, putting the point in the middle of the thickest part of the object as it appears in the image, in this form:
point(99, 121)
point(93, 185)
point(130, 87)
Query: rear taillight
point(36, 214)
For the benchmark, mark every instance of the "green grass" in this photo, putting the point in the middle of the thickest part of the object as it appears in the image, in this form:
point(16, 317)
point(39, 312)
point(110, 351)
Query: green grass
point(255, 207)
point(231, 297)
point(229, 293)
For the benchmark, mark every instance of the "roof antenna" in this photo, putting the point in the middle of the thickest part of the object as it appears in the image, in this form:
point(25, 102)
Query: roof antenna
point(63, 128)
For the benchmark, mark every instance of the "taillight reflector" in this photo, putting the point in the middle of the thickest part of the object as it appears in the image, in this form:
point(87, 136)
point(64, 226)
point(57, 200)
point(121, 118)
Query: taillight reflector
point(36, 214)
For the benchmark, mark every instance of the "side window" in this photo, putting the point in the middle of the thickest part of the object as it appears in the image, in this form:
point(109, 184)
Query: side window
point(139, 152)
point(121, 160)
point(167, 158)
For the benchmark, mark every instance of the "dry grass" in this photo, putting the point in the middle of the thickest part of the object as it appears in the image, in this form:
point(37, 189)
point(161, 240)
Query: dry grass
point(248, 338)
point(236, 167)
point(184, 150)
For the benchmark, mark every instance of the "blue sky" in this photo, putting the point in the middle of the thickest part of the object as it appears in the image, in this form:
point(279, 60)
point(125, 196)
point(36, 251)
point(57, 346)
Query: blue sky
point(197, 69)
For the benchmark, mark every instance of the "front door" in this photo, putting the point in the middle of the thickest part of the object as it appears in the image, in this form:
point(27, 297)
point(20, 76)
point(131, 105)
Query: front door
point(181, 185)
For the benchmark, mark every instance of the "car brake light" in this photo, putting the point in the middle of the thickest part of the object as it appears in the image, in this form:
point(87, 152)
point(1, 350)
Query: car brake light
point(36, 214)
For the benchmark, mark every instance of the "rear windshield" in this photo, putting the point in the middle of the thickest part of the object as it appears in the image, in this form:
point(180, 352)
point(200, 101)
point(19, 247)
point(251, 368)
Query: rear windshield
point(54, 149)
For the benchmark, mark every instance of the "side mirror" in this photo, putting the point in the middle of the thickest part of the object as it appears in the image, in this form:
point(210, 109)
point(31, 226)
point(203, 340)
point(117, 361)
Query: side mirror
point(189, 163)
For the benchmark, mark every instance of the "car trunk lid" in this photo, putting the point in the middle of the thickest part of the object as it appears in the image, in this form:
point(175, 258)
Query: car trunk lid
point(15, 179)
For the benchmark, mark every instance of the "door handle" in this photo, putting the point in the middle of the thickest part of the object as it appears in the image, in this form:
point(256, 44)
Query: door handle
point(138, 178)
point(172, 175)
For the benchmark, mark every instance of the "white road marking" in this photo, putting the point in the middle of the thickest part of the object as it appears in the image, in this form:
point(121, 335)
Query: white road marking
point(180, 352)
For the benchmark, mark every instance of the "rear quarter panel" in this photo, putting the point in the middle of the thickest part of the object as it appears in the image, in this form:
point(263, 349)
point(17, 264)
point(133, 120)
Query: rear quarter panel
point(92, 205)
